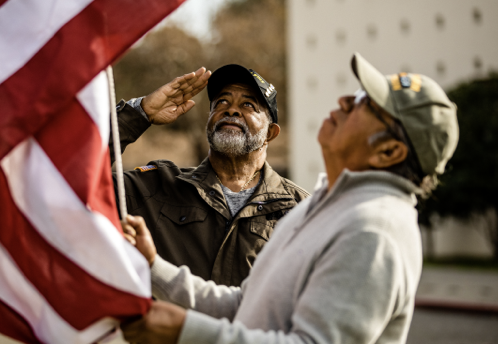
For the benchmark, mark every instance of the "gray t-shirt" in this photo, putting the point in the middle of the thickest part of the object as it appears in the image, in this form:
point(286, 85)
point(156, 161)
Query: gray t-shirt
point(236, 200)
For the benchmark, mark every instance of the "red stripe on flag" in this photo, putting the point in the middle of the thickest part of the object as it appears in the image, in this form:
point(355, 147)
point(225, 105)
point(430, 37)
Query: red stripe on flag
point(43, 91)
point(74, 56)
point(15, 327)
point(75, 295)
point(73, 143)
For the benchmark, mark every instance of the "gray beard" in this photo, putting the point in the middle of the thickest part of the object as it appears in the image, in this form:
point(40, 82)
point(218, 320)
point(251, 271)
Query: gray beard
point(234, 143)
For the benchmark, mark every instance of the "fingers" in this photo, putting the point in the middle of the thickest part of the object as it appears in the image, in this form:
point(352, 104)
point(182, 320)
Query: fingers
point(129, 232)
point(136, 224)
point(127, 228)
point(137, 233)
point(165, 104)
point(199, 81)
point(191, 92)
point(193, 80)
point(196, 88)
point(179, 83)
point(200, 72)
point(201, 76)
point(133, 332)
point(183, 108)
point(186, 82)
point(195, 74)
point(187, 79)
point(130, 239)
point(139, 226)
point(187, 86)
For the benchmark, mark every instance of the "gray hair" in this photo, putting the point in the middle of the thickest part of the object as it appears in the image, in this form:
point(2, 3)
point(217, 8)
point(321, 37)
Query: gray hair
point(410, 167)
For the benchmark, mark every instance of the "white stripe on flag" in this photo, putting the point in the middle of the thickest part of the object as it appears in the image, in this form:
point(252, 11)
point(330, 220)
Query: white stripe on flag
point(44, 197)
point(94, 98)
point(32, 23)
point(47, 325)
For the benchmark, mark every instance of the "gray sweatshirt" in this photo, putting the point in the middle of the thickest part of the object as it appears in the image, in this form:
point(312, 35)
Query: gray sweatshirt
point(342, 267)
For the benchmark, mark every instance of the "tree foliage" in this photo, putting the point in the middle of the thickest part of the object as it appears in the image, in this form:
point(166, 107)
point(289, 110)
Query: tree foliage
point(250, 33)
point(470, 185)
point(162, 55)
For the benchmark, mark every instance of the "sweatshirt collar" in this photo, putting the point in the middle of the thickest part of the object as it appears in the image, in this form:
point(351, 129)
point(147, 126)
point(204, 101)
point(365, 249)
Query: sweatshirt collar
point(366, 180)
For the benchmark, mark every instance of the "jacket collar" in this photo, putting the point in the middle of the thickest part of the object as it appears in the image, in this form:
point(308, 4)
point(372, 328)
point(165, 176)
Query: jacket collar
point(205, 180)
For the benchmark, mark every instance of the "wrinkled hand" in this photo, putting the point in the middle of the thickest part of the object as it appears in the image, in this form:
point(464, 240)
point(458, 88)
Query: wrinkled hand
point(161, 325)
point(136, 232)
point(167, 103)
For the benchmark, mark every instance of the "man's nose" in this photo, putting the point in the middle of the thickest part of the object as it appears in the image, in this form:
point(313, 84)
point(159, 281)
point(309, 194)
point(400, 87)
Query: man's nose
point(346, 103)
point(233, 111)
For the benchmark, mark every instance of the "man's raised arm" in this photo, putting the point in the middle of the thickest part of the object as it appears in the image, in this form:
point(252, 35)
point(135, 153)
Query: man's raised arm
point(163, 106)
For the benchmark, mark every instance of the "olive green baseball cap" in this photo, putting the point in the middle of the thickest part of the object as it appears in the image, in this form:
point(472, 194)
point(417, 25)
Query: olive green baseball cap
point(420, 104)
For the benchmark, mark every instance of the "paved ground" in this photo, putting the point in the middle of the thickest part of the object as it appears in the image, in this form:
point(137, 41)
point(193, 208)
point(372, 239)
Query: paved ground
point(458, 288)
point(443, 326)
point(456, 306)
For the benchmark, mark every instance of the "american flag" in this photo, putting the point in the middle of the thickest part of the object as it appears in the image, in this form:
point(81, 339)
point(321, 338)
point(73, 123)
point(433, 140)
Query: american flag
point(66, 273)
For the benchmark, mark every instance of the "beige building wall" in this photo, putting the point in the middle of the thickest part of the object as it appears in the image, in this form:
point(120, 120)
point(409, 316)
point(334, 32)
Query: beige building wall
point(455, 238)
point(448, 40)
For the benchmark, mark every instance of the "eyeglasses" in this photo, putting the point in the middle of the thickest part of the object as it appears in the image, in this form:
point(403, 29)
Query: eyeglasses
point(361, 96)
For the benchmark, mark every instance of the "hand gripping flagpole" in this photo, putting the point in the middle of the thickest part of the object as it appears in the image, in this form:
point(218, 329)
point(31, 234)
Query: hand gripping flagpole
point(116, 145)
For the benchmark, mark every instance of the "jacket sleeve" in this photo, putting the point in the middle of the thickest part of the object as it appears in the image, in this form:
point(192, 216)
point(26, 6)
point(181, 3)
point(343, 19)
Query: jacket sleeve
point(349, 299)
point(132, 124)
point(179, 286)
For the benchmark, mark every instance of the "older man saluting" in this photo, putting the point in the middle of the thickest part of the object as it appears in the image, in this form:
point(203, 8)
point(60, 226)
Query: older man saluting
point(214, 218)
point(344, 265)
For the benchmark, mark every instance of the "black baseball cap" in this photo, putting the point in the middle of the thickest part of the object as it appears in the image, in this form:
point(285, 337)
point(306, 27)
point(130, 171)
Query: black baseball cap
point(235, 74)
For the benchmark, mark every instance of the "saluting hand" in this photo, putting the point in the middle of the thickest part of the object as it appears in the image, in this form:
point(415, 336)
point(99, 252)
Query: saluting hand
point(168, 102)
point(137, 233)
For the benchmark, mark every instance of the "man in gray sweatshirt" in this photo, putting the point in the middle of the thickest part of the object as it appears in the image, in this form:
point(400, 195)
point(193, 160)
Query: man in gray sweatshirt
point(343, 266)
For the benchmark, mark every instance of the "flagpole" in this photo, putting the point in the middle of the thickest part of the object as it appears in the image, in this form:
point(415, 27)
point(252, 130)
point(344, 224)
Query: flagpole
point(116, 145)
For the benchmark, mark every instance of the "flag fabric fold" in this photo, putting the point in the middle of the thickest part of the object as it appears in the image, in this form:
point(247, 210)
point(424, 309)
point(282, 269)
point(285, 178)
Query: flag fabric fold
point(67, 275)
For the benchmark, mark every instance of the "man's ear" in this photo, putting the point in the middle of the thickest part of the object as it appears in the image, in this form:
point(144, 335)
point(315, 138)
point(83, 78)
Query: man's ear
point(273, 131)
point(388, 153)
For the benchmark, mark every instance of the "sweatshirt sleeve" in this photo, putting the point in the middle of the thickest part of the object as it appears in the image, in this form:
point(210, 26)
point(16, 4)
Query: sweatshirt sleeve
point(179, 286)
point(350, 298)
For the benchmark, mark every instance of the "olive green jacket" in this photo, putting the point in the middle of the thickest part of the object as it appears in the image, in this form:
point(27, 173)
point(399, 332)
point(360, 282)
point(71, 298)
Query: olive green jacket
point(189, 219)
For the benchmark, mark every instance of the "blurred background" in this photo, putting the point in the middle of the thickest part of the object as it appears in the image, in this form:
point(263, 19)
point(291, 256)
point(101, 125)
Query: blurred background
point(304, 47)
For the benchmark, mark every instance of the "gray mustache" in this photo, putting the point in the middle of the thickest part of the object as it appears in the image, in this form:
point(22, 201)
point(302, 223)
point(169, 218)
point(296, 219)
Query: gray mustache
point(231, 120)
